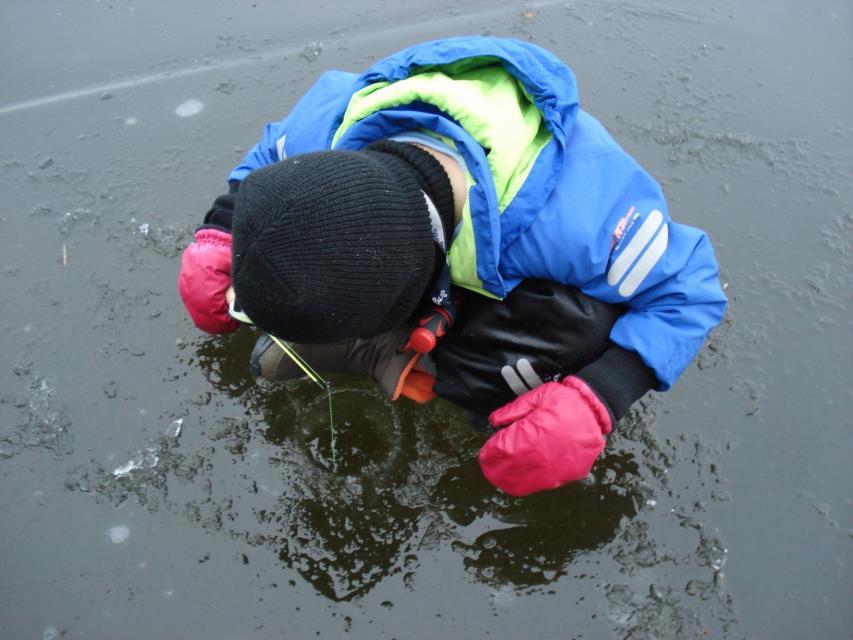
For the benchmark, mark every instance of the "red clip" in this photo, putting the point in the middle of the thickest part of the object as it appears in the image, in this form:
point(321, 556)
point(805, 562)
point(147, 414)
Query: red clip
point(422, 340)
point(430, 328)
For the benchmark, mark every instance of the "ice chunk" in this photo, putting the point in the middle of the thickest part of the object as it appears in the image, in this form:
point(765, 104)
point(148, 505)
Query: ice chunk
point(174, 429)
point(126, 468)
point(142, 460)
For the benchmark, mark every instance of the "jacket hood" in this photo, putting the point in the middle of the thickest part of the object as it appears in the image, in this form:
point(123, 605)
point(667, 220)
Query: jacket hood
point(549, 82)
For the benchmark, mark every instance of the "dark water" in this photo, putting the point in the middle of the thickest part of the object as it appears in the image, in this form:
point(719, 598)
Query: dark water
point(150, 488)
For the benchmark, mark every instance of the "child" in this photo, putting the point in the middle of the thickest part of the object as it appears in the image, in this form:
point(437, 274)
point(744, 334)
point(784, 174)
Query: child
point(463, 161)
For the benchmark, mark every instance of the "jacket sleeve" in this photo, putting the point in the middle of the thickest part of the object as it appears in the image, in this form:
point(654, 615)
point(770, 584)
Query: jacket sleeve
point(675, 305)
point(664, 272)
point(309, 126)
point(606, 230)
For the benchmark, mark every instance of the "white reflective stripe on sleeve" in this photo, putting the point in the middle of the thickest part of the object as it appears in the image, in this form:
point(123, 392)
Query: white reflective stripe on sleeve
point(645, 264)
point(528, 373)
point(513, 380)
point(644, 234)
point(279, 147)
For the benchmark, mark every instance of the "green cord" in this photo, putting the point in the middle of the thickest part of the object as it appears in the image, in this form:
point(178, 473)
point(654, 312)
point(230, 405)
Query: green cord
point(332, 427)
point(299, 361)
point(317, 379)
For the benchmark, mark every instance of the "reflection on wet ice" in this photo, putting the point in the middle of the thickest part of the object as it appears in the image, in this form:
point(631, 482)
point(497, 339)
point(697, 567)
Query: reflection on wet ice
point(406, 483)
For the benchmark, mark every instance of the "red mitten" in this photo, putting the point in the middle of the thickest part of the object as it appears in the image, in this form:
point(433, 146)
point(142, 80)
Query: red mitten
point(556, 431)
point(205, 277)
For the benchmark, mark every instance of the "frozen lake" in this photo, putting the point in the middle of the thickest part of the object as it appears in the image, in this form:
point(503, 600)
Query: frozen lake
point(150, 488)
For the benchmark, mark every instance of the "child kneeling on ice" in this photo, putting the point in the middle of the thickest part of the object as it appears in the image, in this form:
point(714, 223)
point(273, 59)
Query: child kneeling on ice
point(462, 163)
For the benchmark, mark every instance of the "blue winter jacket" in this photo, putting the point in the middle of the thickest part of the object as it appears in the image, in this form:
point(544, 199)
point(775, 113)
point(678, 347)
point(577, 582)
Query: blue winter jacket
point(587, 214)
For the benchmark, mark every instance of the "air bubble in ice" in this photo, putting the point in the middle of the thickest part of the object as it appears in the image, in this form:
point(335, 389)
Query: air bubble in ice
point(118, 534)
point(312, 51)
point(503, 596)
point(189, 108)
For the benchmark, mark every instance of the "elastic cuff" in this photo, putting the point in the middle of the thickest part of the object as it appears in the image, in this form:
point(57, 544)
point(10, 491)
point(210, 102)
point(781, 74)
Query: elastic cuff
point(222, 212)
point(620, 378)
point(211, 234)
point(213, 226)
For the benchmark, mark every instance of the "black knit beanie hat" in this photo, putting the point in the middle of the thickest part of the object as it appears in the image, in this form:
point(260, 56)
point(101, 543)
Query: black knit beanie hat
point(338, 244)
